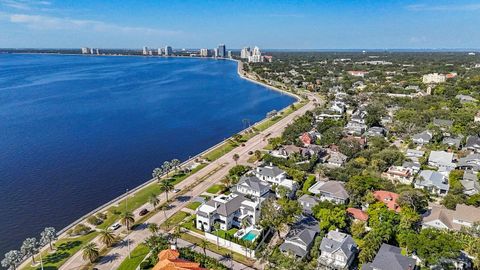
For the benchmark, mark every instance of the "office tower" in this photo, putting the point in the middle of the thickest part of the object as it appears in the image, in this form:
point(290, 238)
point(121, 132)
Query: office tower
point(85, 50)
point(215, 52)
point(159, 51)
point(256, 56)
point(222, 51)
point(204, 53)
point(98, 52)
point(245, 53)
point(92, 51)
point(145, 50)
point(229, 54)
point(168, 50)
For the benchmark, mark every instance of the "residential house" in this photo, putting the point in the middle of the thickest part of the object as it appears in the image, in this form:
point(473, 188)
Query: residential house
point(388, 198)
point(414, 154)
point(290, 150)
point(307, 139)
point(443, 123)
point(440, 217)
point(399, 174)
point(442, 160)
point(300, 238)
point(355, 128)
point(470, 183)
point(275, 175)
point(228, 211)
point(470, 162)
point(414, 166)
point(452, 142)
point(432, 181)
point(307, 202)
point(357, 214)
point(423, 137)
point(336, 159)
point(250, 185)
point(337, 250)
point(473, 143)
point(376, 132)
point(390, 258)
point(465, 98)
point(169, 259)
point(333, 191)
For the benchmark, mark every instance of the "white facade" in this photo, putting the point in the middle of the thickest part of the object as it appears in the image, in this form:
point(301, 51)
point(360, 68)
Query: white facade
point(434, 78)
point(145, 50)
point(245, 53)
point(204, 53)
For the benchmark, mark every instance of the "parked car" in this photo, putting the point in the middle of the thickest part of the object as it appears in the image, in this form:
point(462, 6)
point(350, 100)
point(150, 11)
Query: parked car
point(115, 226)
point(250, 152)
point(143, 212)
point(176, 190)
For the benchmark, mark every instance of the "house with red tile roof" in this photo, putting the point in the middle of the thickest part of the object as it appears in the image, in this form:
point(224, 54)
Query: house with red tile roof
point(357, 214)
point(169, 259)
point(388, 198)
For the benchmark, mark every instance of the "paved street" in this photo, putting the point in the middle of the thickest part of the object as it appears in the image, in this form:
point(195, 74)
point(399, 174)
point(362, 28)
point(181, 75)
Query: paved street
point(119, 252)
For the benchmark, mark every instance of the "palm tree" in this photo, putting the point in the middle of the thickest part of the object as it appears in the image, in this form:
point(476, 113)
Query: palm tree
point(29, 248)
point(12, 259)
point(153, 200)
point(166, 186)
point(107, 237)
point(258, 155)
point(153, 228)
point(203, 244)
point(216, 226)
point(245, 223)
point(164, 208)
point(90, 252)
point(236, 157)
point(175, 163)
point(127, 219)
point(48, 235)
point(166, 167)
point(229, 257)
point(227, 182)
point(157, 173)
point(176, 233)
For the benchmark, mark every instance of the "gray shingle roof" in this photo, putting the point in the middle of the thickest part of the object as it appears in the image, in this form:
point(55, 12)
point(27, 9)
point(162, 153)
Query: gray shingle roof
point(430, 178)
point(337, 241)
point(390, 258)
point(471, 161)
point(270, 171)
point(253, 183)
point(229, 207)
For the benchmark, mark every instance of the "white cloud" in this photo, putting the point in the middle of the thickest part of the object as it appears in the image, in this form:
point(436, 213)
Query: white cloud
point(41, 22)
point(422, 7)
point(24, 4)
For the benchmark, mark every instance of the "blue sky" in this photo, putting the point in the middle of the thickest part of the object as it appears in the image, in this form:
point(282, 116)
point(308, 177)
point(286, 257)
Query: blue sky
point(326, 24)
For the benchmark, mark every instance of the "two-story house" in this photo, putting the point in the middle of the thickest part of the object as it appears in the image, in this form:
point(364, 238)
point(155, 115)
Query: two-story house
point(337, 250)
point(275, 176)
point(333, 191)
point(299, 239)
point(250, 185)
point(390, 258)
point(440, 217)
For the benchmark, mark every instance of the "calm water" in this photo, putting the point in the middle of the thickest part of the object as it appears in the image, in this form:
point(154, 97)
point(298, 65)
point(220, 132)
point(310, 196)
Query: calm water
point(77, 131)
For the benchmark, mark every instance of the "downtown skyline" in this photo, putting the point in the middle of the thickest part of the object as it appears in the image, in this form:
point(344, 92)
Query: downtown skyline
point(271, 25)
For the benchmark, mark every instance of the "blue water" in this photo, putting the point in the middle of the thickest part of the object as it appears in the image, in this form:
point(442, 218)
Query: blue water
point(250, 236)
point(76, 131)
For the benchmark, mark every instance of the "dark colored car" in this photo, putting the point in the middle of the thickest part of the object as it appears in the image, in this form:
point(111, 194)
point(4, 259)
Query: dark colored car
point(143, 212)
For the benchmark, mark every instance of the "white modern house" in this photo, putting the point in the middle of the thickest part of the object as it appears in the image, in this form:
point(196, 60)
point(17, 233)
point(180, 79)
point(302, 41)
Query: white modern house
point(228, 211)
point(252, 186)
point(276, 176)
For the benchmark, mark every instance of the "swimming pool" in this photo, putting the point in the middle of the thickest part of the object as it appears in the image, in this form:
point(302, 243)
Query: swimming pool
point(250, 236)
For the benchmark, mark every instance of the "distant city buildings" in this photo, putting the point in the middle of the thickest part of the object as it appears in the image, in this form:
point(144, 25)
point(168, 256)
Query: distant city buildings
point(222, 51)
point(168, 51)
point(145, 50)
point(85, 50)
point(245, 53)
point(204, 53)
point(253, 56)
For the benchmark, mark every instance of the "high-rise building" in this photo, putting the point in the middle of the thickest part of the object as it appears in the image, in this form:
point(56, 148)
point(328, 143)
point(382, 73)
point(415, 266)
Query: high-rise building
point(256, 56)
point(204, 53)
point(145, 50)
point(98, 52)
point(222, 51)
point(168, 50)
point(229, 54)
point(215, 52)
point(85, 50)
point(245, 53)
point(160, 51)
point(92, 51)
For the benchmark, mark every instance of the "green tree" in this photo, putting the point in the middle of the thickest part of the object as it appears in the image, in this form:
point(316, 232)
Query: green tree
point(29, 248)
point(127, 219)
point(235, 158)
point(153, 228)
point(48, 235)
point(413, 198)
point(12, 259)
point(153, 200)
point(90, 252)
point(107, 237)
point(166, 186)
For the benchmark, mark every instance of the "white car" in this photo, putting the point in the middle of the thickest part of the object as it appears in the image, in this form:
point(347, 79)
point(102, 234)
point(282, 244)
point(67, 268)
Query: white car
point(115, 226)
point(176, 190)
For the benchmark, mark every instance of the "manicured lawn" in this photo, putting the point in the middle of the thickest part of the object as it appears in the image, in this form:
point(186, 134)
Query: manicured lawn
point(222, 233)
point(220, 151)
point(214, 189)
point(194, 205)
point(213, 247)
point(65, 248)
point(141, 197)
point(189, 224)
point(177, 218)
point(137, 256)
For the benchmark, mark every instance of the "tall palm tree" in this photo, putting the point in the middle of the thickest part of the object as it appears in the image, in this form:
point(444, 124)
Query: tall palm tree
point(176, 233)
point(229, 257)
point(164, 208)
point(90, 252)
point(227, 182)
point(153, 200)
point(48, 235)
point(236, 157)
point(166, 186)
point(166, 166)
point(153, 228)
point(127, 219)
point(157, 173)
point(29, 248)
point(203, 244)
point(107, 237)
point(175, 163)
